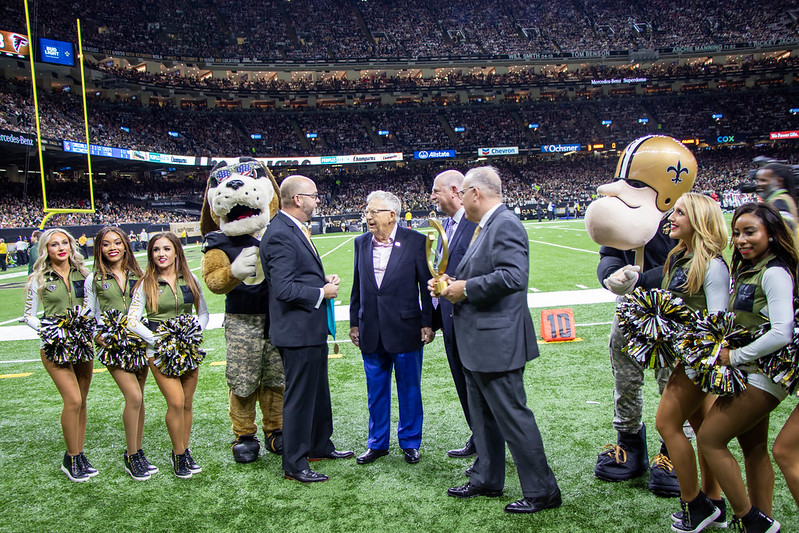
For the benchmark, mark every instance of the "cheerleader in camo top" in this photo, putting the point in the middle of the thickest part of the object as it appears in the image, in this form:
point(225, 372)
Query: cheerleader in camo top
point(764, 266)
point(168, 292)
point(696, 272)
point(109, 290)
point(56, 284)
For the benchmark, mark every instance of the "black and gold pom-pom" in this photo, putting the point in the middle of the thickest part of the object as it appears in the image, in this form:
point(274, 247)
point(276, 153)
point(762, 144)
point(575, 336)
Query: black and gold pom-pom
point(177, 345)
point(703, 340)
point(67, 338)
point(783, 365)
point(653, 321)
point(122, 348)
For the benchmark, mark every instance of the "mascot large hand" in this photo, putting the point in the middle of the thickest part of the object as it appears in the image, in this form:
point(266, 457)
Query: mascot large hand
point(240, 200)
point(651, 174)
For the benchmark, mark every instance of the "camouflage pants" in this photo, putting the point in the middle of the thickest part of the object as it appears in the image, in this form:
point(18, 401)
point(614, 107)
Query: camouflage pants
point(254, 373)
point(628, 377)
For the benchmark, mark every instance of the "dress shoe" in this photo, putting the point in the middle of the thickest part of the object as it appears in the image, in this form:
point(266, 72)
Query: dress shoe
point(533, 505)
point(335, 454)
point(411, 455)
point(467, 451)
point(470, 491)
point(305, 476)
point(469, 471)
point(370, 456)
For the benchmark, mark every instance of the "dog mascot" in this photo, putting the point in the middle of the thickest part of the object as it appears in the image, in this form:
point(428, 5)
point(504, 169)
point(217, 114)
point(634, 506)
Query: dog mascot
point(629, 222)
point(240, 199)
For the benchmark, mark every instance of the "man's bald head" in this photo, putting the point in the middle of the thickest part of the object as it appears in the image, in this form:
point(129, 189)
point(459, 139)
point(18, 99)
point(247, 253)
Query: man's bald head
point(299, 197)
point(482, 190)
point(445, 191)
point(294, 185)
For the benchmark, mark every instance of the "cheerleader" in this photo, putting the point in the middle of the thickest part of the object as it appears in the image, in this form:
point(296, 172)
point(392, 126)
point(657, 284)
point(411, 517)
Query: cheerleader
point(784, 451)
point(696, 272)
point(764, 266)
point(56, 284)
point(168, 291)
point(108, 291)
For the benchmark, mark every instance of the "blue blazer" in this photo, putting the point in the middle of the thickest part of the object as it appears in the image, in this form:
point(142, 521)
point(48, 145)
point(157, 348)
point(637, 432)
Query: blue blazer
point(392, 312)
point(294, 272)
point(457, 248)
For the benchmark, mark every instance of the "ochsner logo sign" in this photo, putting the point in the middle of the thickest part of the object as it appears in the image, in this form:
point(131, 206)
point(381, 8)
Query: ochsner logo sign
point(501, 150)
point(560, 148)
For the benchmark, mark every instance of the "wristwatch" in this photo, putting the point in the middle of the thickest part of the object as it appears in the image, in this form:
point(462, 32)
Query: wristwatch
point(464, 292)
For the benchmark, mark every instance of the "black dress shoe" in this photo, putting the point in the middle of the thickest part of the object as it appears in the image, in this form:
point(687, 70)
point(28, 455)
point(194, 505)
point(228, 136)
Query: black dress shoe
point(305, 476)
point(411, 455)
point(469, 471)
point(466, 451)
point(370, 456)
point(470, 491)
point(533, 505)
point(335, 454)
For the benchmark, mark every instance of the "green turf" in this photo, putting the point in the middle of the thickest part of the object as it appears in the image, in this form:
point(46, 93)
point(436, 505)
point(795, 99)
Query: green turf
point(569, 389)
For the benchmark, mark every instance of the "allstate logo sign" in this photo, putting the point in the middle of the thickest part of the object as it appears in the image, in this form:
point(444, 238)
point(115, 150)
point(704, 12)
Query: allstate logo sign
point(433, 154)
point(498, 150)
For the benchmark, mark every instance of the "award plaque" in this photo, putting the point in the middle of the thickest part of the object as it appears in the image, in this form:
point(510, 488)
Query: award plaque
point(437, 269)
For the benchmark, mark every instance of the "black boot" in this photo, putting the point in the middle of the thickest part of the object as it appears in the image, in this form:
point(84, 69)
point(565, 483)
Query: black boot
point(625, 460)
point(720, 521)
point(696, 514)
point(274, 441)
point(246, 448)
point(179, 465)
point(662, 479)
point(73, 469)
point(756, 521)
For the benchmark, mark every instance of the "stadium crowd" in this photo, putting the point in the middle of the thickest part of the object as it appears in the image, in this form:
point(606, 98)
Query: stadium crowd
point(324, 29)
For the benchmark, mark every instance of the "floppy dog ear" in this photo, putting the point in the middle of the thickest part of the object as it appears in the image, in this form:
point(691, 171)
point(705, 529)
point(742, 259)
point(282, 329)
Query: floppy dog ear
point(208, 221)
point(274, 205)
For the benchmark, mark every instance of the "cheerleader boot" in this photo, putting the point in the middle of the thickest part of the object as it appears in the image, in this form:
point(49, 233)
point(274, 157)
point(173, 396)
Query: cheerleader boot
point(756, 521)
point(179, 465)
point(73, 469)
point(150, 467)
point(696, 514)
point(87, 466)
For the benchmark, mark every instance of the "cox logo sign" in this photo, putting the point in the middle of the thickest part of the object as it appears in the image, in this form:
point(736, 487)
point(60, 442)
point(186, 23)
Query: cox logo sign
point(725, 139)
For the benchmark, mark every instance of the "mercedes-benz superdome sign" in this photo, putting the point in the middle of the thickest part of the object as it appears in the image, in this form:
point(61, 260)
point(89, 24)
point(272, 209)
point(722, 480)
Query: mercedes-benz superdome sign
point(433, 154)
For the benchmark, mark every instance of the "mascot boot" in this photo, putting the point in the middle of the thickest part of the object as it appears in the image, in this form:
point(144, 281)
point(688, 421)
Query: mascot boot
point(240, 200)
point(627, 459)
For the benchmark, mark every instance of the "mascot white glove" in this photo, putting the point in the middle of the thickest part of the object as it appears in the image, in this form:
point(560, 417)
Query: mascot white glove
point(245, 264)
point(623, 280)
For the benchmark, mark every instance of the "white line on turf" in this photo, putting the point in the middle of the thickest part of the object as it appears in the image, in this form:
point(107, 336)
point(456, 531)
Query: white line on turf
point(566, 247)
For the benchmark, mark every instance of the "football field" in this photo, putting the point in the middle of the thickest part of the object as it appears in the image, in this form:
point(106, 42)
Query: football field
point(569, 388)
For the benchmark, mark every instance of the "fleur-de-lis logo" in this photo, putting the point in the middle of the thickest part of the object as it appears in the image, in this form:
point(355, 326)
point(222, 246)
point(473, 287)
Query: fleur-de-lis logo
point(678, 170)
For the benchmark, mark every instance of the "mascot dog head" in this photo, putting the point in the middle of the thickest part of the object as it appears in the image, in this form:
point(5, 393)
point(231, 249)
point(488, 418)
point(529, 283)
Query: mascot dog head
point(240, 199)
point(651, 174)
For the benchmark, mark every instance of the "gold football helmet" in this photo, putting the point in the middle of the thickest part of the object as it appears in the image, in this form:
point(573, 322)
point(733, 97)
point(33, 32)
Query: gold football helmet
point(661, 162)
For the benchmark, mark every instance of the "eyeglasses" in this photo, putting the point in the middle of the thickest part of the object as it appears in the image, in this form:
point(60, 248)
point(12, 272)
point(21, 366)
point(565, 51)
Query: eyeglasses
point(373, 212)
point(315, 195)
point(463, 191)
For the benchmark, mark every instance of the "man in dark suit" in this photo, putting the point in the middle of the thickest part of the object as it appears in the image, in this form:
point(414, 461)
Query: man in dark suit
point(495, 338)
point(389, 325)
point(459, 232)
point(298, 294)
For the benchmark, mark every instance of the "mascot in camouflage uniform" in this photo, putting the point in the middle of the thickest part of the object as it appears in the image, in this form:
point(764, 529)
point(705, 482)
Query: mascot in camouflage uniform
point(240, 199)
point(630, 223)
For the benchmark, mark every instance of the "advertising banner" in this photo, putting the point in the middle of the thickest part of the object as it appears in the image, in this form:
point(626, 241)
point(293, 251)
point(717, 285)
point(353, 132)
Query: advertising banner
point(14, 43)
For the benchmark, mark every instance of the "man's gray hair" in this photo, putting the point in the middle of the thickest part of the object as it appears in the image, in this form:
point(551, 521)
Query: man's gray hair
point(391, 200)
point(486, 179)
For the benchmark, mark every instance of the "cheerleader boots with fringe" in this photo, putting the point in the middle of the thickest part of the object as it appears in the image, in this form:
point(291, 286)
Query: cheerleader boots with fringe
point(73, 469)
point(720, 521)
point(179, 465)
point(755, 521)
point(696, 514)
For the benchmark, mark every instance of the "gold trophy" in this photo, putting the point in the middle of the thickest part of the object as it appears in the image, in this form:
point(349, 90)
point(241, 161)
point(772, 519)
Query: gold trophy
point(437, 270)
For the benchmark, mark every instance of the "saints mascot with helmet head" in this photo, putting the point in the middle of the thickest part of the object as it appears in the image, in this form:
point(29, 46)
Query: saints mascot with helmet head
point(241, 198)
point(630, 223)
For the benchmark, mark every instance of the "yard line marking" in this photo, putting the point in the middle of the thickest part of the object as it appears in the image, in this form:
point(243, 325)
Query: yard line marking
point(20, 361)
point(337, 247)
point(21, 375)
point(533, 289)
point(566, 247)
point(581, 286)
point(587, 324)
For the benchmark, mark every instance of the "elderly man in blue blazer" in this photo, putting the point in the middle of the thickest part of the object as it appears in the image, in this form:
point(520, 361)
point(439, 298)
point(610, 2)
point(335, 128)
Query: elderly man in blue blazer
point(495, 337)
point(390, 320)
